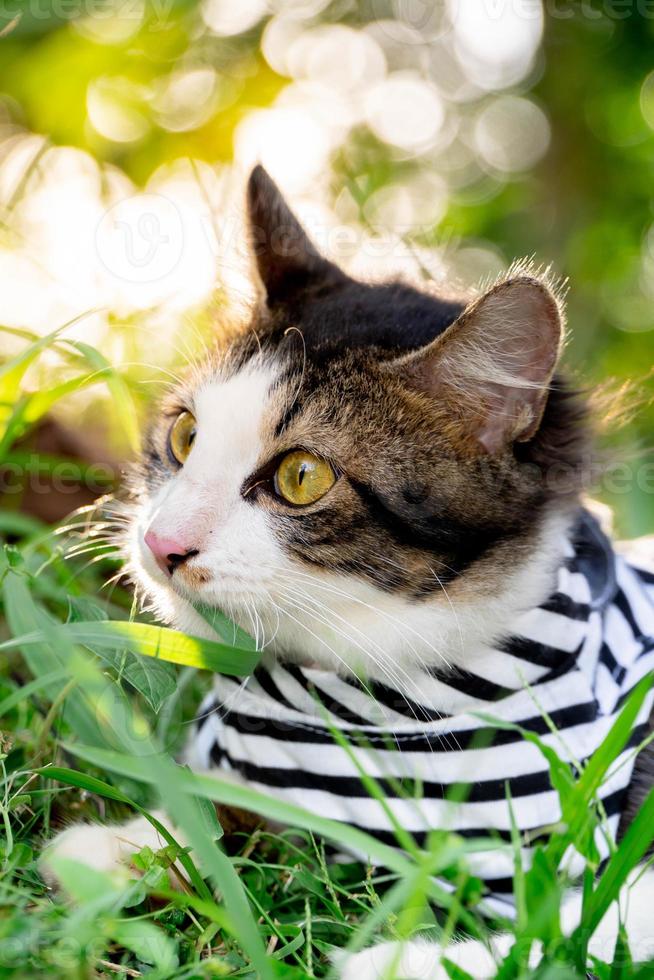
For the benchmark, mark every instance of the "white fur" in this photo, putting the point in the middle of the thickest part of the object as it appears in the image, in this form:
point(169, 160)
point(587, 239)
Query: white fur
point(202, 504)
point(104, 848)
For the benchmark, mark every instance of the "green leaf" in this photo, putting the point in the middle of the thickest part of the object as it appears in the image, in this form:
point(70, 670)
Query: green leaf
point(88, 885)
point(633, 847)
point(290, 947)
point(21, 857)
point(49, 656)
point(543, 892)
point(210, 818)
point(155, 680)
point(151, 641)
point(598, 765)
point(148, 942)
point(233, 794)
point(123, 402)
point(228, 631)
point(33, 687)
point(40, 402)
point(82, 609)
point(578, 810)
point(22, 799)
point(13, 371)
point(82, 780)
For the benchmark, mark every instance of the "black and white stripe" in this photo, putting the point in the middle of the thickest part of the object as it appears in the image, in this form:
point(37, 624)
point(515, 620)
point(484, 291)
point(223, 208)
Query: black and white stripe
point(573, 659)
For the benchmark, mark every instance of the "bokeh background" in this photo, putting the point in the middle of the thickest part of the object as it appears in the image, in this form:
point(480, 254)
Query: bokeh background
point(438, 139)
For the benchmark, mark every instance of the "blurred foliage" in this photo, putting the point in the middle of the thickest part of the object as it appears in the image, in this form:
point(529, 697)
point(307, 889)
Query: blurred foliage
point(480, 132)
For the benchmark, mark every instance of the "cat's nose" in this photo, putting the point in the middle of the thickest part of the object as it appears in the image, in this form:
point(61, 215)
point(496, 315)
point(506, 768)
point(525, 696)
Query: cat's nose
point(169, 553)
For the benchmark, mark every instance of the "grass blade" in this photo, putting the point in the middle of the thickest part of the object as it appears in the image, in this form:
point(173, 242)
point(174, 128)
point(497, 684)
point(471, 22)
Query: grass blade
point(151, 641)
point(632, 849)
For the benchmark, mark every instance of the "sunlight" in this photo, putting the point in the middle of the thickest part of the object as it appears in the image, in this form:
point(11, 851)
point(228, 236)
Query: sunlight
point(496, 40)
point(290, 143)
point(111, 115)
point(511, 134)
point(406, 110)
point(224, 17)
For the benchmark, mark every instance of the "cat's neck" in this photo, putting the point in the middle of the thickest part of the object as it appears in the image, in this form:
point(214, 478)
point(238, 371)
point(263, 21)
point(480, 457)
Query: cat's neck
point(343, 626)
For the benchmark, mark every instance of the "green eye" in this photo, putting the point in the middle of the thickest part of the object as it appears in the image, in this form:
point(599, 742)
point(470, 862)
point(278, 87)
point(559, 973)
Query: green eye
point(303, 478)
point(181, 437)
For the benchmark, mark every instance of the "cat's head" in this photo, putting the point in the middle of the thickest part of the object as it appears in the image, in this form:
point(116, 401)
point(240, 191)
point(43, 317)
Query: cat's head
point(364, 467)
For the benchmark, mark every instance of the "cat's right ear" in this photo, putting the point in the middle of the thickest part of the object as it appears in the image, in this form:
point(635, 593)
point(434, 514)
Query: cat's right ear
point(495, 363)
point(287, 261)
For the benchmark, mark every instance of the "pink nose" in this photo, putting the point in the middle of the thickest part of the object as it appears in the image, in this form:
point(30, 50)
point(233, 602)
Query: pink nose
point(168, 553)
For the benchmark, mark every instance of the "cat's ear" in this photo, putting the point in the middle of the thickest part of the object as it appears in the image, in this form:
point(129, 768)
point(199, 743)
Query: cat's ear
point(495, 362)
point(287, 261)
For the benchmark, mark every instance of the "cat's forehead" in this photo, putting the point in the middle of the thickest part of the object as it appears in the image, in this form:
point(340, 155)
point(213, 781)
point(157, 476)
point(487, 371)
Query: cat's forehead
point(235, 395)
point(281, 398)
point(237, 411)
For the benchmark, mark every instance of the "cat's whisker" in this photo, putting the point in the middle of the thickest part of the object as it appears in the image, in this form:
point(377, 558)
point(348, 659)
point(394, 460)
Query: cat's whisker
point(401, 626)
point(413, 691)
point(298, 605)
point(104, 548)
point(192, 358)
point(260, 637)
point(320, 640)
point(397, 685)
point(93, 561)
point(114, 579)
point(454, 611)
point(175, 379)
point(399, 680)
point(89, 528)
point(75, 540)
point(330, 614)
point(175, 344)
point(225, 707)
point(395, 564)
point(421, 661)
point(98, 532)
point(271, 601)
point(249, 610)
point(327, 620)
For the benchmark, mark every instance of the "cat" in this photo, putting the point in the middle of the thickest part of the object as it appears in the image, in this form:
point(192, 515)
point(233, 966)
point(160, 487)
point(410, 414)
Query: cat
point(383, 486)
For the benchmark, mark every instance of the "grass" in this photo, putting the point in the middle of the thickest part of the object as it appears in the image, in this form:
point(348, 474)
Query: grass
point(91, 722)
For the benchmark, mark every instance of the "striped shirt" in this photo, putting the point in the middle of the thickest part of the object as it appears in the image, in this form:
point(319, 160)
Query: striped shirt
point(572, 661)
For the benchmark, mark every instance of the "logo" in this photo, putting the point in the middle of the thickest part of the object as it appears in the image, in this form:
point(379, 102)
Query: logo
point(141, 238)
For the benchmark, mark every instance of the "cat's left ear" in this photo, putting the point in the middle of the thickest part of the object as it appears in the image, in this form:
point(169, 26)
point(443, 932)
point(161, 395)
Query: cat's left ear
point(287, 261)
point(495, 363)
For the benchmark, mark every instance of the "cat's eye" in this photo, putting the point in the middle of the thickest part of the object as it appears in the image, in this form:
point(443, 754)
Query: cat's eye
point(303, 478)
point(181, 437)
